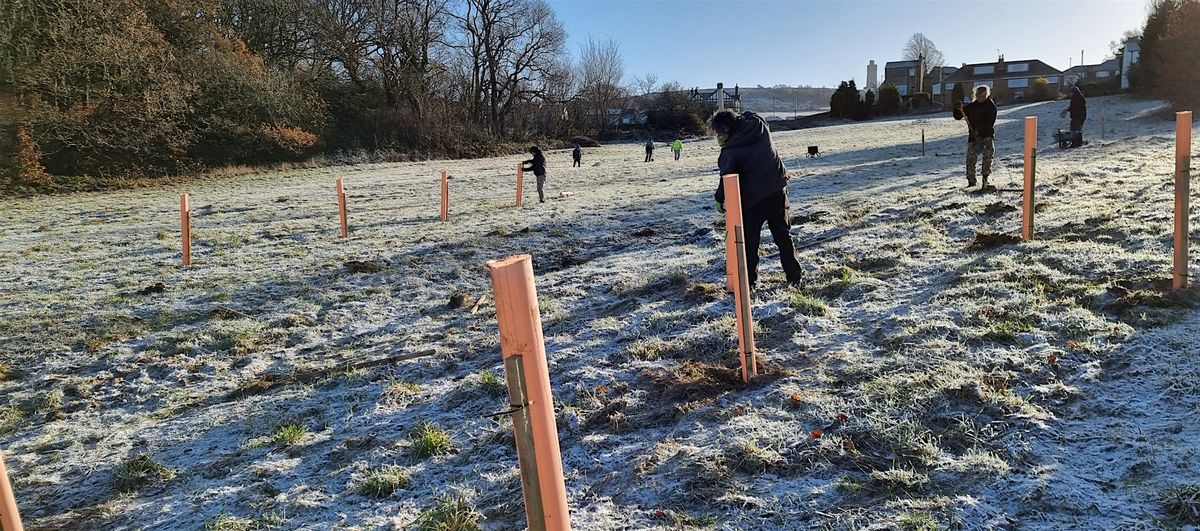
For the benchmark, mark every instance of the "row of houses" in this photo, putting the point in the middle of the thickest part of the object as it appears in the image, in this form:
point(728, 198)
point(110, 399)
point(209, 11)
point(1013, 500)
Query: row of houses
point(1009, 80)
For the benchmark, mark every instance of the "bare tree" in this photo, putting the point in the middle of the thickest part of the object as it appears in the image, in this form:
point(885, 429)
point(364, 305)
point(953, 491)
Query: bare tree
point(512, 47)
point(601, 69)
point(920, 48)
point(645, 84)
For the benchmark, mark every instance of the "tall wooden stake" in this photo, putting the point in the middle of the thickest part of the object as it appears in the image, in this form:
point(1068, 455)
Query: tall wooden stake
point(1103, 129)
point(341, 198)
point(520, 182)
point(185, 225)
point(745, 322)
point(922, 142)
point(521, 338)
point(1030, 173)
point(10, 518)
point(733, 218)
point(1183, 159)
point(445, 197)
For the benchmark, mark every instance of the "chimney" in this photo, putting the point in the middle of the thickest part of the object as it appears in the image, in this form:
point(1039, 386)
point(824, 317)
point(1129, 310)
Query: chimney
point(720, 96)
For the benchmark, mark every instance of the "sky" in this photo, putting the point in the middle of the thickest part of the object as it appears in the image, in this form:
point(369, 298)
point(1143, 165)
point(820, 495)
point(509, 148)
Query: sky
point(820, 43)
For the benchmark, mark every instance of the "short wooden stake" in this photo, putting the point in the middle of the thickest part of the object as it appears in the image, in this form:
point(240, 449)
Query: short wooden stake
point(185, 225)
point(10, 518)
point(520, 182)
point(1183, 160)
point(445, 197)
point(522, 342)
point(1103, 130)
point(733, 217)
point(922, 142)
point(341, 198)
point(1030, 173)
point(745, 321)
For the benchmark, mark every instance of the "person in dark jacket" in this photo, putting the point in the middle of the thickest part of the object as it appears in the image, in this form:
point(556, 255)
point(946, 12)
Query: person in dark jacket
point(538, 166)
point(577, 156)
point(649, 150)
point(1078, 112)
point(747, 150)
point(981, 132)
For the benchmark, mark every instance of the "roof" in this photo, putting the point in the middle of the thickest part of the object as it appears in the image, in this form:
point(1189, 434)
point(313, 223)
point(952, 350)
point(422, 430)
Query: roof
point(1110, 64)
point(1037, 68)
point(899, 64)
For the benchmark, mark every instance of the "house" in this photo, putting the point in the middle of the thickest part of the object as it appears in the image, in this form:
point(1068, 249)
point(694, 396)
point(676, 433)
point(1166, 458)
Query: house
point(902, 75)
point(720, 98)
point(1106, 72)
point(938, 79)
point(1130, 57)
point(1009, 80)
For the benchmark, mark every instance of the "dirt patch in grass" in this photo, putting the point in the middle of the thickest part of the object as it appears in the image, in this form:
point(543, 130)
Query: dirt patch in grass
point(986, 240)
point(996, 209)
point(360, 266)
point(1149, 302)
point(691, 381)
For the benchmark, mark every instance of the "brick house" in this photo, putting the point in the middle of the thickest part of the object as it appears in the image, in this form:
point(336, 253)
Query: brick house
point(1009, 80)
point(1104, 73)
point(903, 75)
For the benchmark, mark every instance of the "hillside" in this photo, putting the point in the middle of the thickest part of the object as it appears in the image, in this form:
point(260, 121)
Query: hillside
point(959, 379)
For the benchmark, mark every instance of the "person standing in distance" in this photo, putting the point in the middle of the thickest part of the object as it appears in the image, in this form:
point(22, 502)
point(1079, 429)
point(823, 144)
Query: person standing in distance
point(747, 150)
point(981, 132)
point(677, 147)
point(649, 150)
point(577, 156)
point(1078, 112)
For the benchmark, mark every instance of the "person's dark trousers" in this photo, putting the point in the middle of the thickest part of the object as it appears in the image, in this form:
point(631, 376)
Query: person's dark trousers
point(649, 156)
point(1077, 131)
point(677, 155)
point(774, 211)
point(541, 182)
point(576, 163)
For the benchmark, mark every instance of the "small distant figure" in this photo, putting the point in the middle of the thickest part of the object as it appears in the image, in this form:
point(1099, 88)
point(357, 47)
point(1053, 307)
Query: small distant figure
point(981, 132)
point(538, 166)
point(577, 156)
point(677, 147)
point(747, 150)
point(1078, 112)
point(649, 150)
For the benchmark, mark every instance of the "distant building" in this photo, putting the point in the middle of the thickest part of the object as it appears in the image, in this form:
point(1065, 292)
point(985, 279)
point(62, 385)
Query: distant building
point(720, 98)
point(901, 74)
point(1009, 80)
point(1133, 52)
point(1103, 73)
point(872, 77)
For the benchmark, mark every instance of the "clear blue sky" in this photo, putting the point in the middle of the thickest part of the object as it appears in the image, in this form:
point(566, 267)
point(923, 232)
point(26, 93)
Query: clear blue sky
point(797, 42)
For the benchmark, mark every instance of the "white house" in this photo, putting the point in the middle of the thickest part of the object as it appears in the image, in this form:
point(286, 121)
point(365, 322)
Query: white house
point(1133, 51)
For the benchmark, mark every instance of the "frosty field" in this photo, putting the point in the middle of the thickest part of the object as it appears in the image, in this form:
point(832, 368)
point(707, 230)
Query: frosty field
point(956, 383)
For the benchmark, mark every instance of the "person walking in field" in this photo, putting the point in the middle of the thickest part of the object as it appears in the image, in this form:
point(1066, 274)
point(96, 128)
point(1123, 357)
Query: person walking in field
point(677, 147)
point(747, 150)
point(981, 132)
point(577, 156)
point(1078, 112)
point(649, 150)
point(538, 166)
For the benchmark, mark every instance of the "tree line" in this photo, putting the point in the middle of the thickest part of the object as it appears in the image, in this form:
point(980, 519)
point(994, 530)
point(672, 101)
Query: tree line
point(153, 87)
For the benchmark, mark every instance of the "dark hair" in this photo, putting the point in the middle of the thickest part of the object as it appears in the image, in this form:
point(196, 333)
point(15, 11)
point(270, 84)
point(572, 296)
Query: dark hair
point(533, 149)
point(723, 121)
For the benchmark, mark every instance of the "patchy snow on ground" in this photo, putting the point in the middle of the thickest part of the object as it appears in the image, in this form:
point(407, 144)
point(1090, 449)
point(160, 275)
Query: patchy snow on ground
point(959, 379)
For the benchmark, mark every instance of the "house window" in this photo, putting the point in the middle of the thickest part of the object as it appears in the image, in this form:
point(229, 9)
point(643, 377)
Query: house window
point(1102, 73)
point(912, 71)
point(1018, 95)
point(949, 86)
point(903, 90)
point(1018, 67)
point(981, 70)
point(1018, 83)
point(1052, 79)
point(937, 89)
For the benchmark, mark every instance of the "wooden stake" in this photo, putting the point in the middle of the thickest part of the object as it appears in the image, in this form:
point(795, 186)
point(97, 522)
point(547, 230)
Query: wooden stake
point(521, 337)
point(1103, 130)
point(341, 198)
point(745, 322)
point(922, 142)
point(1030, 173)
point(445, 197)
point(733, 217)
point(520, 182)
point(10, 518)
point(1183, 159)
point(185, 224)
point(514, 374)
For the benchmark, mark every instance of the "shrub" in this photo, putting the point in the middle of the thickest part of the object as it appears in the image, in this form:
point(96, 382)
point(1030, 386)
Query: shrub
point(889, 99)
point(29, 162)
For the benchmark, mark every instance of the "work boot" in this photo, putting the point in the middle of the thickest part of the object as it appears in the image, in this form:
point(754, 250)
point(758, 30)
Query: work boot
point(971, 181)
